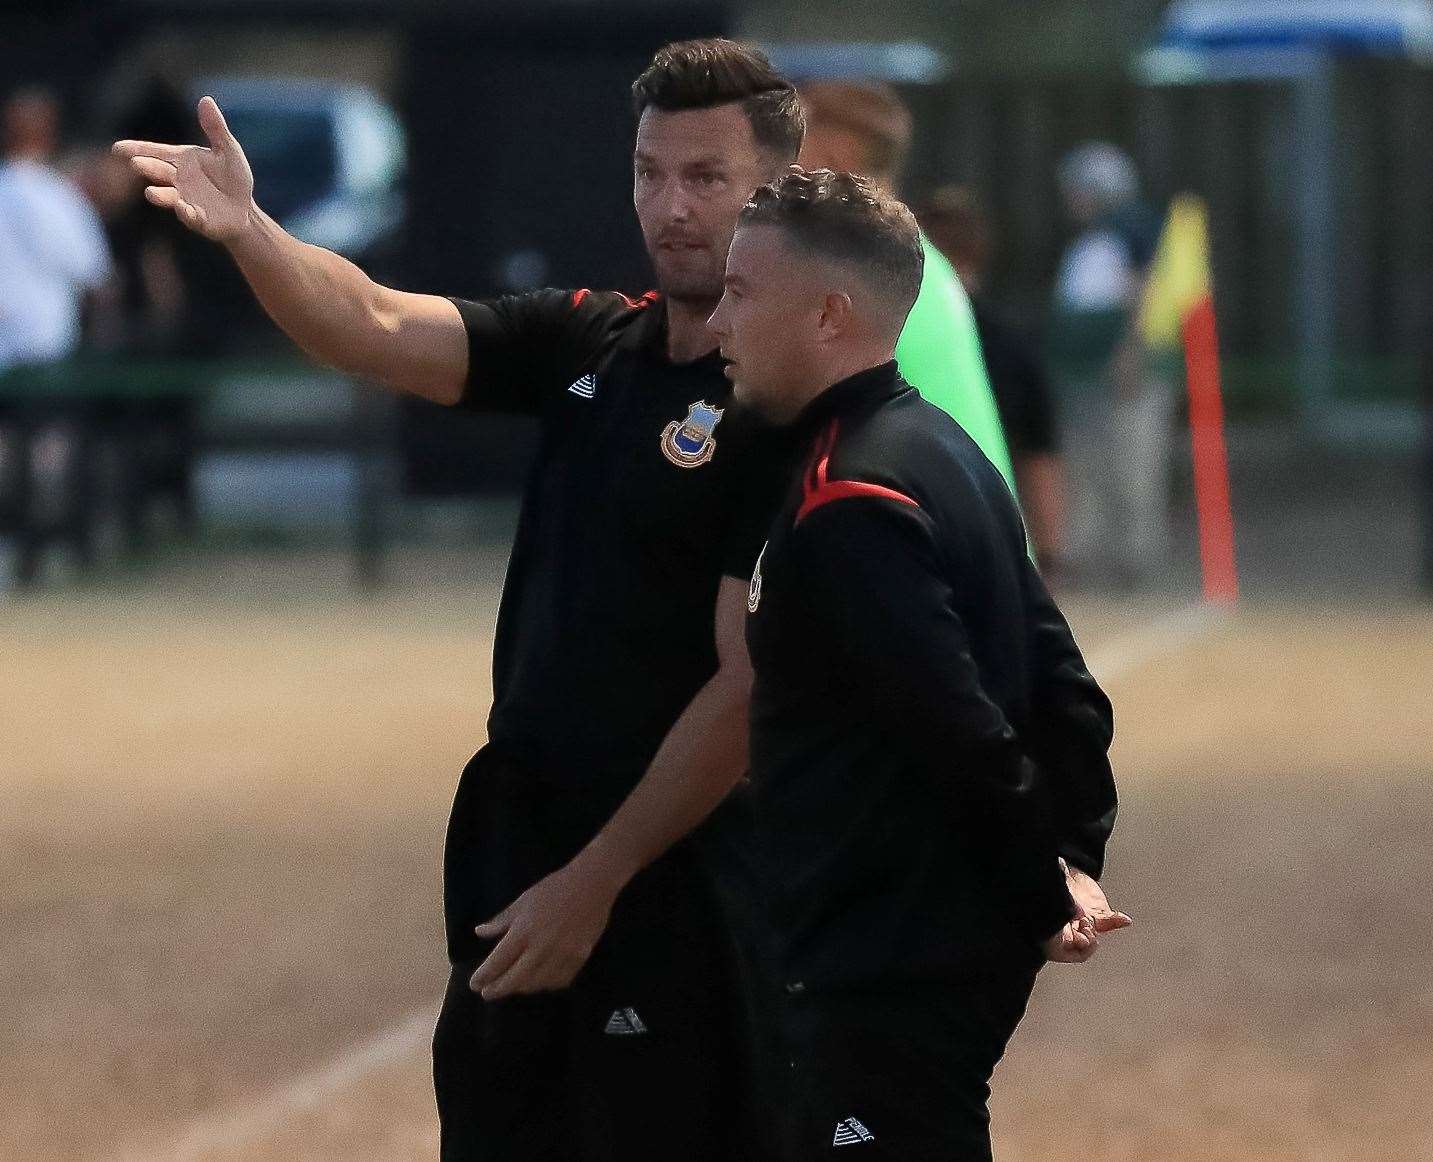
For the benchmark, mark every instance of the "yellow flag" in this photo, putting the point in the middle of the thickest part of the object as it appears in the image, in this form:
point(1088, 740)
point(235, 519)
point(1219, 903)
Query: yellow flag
point(1179, 277)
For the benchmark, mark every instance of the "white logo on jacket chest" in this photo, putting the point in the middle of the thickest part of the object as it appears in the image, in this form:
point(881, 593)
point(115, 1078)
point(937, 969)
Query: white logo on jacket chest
point(753, 592)
point(690, 443)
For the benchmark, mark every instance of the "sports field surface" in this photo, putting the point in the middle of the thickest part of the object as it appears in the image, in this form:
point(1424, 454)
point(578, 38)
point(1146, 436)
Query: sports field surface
point(225, 791)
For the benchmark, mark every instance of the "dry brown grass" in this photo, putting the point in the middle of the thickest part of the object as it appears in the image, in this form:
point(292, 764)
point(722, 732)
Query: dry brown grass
point(221, 851)
point(1274, 1000)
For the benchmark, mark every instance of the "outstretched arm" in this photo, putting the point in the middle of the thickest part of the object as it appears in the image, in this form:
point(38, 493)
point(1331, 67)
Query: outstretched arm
point(323, 302)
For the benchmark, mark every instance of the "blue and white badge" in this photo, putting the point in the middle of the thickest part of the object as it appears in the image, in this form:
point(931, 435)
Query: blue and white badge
point(690, 443)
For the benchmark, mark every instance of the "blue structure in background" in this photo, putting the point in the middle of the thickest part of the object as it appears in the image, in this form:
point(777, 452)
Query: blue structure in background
point(896, 62)
point(1400, 28)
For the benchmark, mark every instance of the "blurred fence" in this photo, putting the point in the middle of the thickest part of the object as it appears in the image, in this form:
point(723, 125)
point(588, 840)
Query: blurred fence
point(1235, 145)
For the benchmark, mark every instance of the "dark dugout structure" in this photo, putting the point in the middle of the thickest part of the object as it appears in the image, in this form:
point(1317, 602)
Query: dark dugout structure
point(519, 134)
point(520, 129)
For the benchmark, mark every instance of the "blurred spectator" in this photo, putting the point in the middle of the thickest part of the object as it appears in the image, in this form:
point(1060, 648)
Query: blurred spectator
point(52, 247)
point(52, 253)
point(1119, 409)
point(107, 186)
point(166, 280)
point(170, 277)
point(144, 309)
point(864, 127)
point(958, 225)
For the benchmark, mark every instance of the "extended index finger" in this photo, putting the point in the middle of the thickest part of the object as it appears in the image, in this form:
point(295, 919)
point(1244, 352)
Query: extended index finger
point(169, 153)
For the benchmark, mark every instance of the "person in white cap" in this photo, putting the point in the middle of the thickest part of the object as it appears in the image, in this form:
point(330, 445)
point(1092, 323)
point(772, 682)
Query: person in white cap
point(1118, 406)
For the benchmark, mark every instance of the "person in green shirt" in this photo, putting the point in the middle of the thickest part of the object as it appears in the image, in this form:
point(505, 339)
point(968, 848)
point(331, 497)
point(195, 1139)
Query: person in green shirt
point(864, 127)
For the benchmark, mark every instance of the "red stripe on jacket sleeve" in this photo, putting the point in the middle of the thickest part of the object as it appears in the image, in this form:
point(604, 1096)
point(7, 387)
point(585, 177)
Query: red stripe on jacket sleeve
point(645, 301)
point(817, 490)
point(632, 304)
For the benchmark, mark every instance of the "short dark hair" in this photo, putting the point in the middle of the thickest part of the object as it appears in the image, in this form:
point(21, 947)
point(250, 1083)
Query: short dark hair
point(701, 74)
point(849, 219)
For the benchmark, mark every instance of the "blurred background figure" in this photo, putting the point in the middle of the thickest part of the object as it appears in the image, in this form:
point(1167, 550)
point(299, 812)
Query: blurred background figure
point(52, 246)
point(957, 224)
point(167, 308)
point(1118, 408)
point(53, 255)
point(864, 127)
point(152, 291)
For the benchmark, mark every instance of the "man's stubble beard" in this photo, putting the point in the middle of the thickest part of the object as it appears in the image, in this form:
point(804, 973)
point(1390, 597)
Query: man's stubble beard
point(692, 292)
point(690, 288)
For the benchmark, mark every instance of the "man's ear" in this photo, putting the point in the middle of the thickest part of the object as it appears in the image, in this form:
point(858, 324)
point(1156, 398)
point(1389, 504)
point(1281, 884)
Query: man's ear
point(835, 315)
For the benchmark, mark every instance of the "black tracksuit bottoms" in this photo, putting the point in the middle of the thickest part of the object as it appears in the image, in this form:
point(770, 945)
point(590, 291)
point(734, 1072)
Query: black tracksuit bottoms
point(638, 1059)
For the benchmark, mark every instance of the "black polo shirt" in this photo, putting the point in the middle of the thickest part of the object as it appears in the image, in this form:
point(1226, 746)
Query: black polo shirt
point(925, 737)
point(648, 488)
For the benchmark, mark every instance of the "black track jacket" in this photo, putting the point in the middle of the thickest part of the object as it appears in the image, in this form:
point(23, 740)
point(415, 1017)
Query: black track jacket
point(925, 735)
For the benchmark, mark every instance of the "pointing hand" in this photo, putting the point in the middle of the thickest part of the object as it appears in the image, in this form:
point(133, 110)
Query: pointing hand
point(210, 189)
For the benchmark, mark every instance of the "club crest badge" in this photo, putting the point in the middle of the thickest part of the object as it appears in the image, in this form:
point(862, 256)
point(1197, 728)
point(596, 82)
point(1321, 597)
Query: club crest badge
point(690, 443)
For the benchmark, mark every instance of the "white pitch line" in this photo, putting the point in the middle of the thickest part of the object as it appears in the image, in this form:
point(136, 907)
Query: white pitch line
point(228, 1130)
point(1164, 635)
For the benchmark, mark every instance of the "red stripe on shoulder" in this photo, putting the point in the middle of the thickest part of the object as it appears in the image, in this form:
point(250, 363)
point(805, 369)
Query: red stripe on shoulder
point(817, 490)
point(845, 490)
point(578, 296)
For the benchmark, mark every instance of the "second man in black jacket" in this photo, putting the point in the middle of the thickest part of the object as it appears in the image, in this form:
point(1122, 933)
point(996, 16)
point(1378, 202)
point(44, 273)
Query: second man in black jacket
point(927, 745)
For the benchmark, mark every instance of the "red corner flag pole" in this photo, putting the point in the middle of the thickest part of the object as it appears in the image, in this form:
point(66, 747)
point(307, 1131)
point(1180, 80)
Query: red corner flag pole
point(1211, 462)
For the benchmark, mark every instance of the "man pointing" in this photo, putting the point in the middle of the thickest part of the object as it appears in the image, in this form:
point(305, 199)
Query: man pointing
point(590, 1010)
